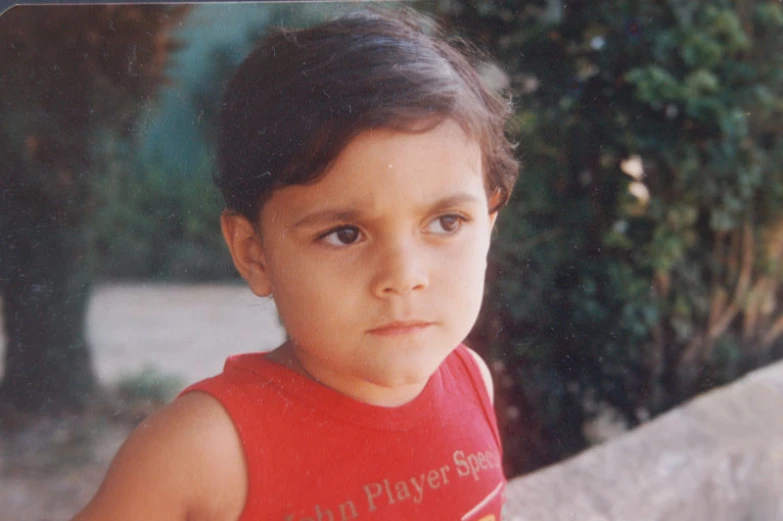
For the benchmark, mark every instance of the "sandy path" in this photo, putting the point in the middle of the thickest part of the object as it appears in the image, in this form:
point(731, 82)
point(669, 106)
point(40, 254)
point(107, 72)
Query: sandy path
point(183, 330)
point(186, 331)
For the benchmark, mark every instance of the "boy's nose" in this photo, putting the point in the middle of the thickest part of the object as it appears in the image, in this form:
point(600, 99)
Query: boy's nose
point(400, 270)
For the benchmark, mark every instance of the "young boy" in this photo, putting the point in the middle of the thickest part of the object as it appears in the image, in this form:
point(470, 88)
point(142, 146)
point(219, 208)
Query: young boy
point(363, 163)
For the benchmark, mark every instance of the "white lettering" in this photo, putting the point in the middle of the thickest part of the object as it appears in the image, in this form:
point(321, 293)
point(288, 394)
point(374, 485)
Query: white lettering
point(474, 466)
point(343, 509)
point(321, 516)
point(388, 491)
point(463, 469)
point(372, 490)
point(402, 491)
point(482, 461)
point(419, 489)
point(443, 470)
point(433, 479)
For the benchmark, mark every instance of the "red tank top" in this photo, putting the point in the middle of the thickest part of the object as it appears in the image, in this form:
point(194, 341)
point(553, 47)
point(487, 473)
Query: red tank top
point(314, 454)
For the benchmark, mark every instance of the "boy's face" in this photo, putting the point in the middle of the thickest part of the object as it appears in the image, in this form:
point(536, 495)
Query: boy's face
point(378, 268)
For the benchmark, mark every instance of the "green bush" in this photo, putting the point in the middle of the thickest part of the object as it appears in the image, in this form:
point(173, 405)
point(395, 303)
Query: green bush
point(156, 223)
point(641, 258)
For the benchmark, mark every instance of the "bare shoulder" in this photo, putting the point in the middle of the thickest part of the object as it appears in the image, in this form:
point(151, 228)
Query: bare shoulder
point(485, 374)
point(183, 463)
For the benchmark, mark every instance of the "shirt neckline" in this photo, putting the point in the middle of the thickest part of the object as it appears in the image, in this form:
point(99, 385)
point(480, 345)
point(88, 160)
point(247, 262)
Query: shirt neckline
point(333, 403)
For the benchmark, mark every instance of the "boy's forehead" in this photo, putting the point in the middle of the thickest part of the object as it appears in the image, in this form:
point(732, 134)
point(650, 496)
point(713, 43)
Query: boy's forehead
point(386, 149)
point(422, 168)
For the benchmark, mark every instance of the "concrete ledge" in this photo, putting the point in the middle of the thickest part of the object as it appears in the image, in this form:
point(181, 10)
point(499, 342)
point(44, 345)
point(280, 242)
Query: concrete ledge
point(716, 458)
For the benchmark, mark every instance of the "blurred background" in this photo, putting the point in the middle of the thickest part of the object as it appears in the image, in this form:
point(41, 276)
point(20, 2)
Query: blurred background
point(639, 263)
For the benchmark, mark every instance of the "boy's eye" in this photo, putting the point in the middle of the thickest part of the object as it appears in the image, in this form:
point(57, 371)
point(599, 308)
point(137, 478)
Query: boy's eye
point(446, 224)
point(342, 236)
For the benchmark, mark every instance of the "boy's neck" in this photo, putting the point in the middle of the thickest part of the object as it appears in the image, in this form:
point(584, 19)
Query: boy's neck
point(362, 391)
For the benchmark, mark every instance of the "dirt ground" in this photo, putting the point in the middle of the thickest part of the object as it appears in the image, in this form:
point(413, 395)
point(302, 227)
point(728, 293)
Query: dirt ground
point(49, 468)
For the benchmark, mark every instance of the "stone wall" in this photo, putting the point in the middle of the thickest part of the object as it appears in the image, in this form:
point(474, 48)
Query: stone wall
point(716, 458)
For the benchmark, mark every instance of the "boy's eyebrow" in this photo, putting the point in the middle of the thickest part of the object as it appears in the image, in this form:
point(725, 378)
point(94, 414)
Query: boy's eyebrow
point(327, 215)
point(336, 215)
point(456, 200)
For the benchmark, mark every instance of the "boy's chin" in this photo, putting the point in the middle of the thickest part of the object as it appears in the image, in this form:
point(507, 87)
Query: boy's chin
point(406, 373)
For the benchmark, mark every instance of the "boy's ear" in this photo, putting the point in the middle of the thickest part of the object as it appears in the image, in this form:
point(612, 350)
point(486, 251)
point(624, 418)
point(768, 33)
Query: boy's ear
point(493, 202)
point(492, 218)
point(247, 252)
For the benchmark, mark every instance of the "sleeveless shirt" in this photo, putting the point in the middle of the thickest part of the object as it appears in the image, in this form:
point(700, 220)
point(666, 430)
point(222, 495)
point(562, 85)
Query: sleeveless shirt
point(314, 454)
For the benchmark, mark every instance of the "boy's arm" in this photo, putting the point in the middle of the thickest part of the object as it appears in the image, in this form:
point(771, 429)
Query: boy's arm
point(485, 374)
point(184, 463)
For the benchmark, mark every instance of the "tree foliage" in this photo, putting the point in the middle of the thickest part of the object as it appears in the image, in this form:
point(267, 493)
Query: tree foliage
point(156, 222)
point(156, 218)
point(641, 260)
point(70, 74)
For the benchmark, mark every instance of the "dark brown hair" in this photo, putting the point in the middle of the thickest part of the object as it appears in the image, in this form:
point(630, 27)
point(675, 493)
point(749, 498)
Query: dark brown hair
point(301, 96)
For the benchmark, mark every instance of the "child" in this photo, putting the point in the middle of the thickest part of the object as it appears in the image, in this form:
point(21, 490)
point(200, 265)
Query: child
point(363, 163)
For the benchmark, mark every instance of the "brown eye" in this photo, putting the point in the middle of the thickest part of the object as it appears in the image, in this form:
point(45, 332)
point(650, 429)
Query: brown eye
point(347, 235)
point(450, 222)
point(342, 236)
point(446, 224)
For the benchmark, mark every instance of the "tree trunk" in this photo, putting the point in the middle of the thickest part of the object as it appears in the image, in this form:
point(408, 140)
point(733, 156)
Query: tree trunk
point(45, 297)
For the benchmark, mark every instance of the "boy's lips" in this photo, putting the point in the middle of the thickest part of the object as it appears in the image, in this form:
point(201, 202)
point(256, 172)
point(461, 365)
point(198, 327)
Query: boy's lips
point(400, 328)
